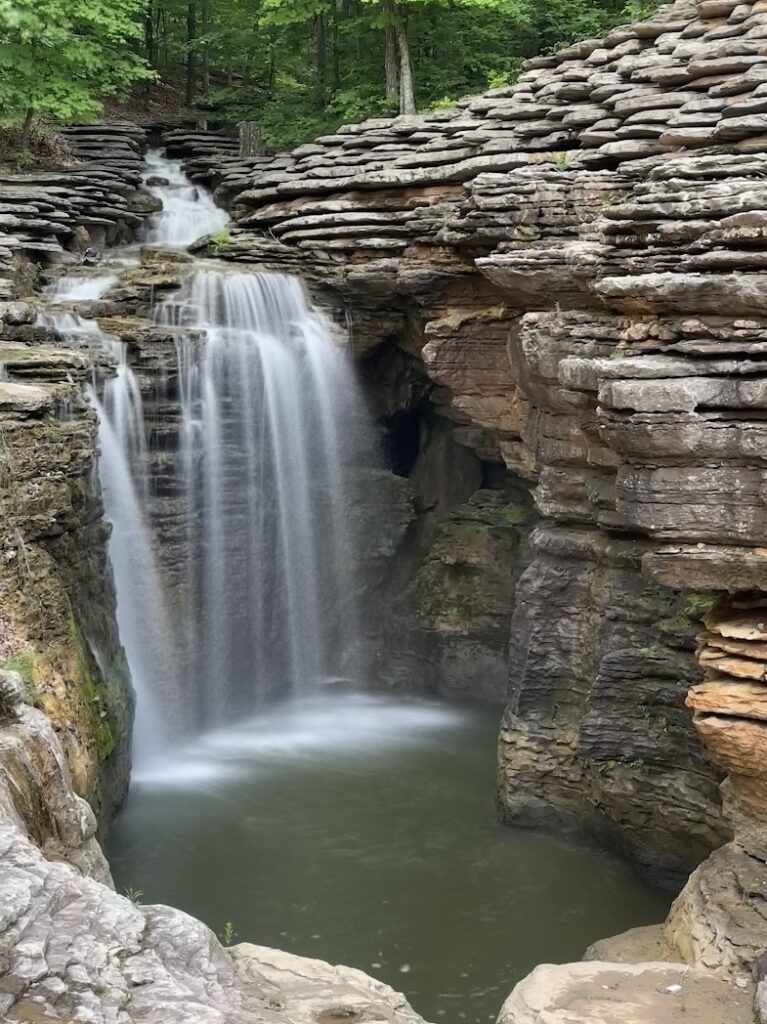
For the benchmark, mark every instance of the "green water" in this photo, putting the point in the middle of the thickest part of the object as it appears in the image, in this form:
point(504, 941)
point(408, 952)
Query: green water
point(361, 830)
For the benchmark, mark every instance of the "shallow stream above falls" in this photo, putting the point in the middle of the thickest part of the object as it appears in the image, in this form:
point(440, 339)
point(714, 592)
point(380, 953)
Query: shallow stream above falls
point(360, 829)
point(354, 826)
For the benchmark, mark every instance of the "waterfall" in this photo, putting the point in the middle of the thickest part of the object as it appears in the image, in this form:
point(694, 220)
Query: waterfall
point(142, 619)
point(187, 213)
point(227, 478)
point(270, 422)
point(253, 598)
point(83, 288)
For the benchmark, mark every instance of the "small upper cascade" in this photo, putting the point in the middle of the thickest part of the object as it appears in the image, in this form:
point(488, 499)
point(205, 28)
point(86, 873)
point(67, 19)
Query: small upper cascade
point(187, 212)
point(83, 288)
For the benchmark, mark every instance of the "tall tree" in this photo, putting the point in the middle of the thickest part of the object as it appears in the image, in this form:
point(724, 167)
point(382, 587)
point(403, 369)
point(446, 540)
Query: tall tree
point(391, 53)
point(191, 51)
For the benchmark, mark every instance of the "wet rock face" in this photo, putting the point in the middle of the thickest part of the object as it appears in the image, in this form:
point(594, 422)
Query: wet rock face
point(448, 627)
point(596, 731)
point(57, 628)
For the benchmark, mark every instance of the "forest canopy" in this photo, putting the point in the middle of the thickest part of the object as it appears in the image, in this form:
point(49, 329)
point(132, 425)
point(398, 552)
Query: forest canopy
point(297, 67)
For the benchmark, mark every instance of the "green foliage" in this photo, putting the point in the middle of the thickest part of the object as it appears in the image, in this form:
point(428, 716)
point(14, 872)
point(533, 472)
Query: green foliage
point(228, 934)
point(60, 57)
point(698, 605)
point(221, 238)
point(298, 67)
point(134, 895)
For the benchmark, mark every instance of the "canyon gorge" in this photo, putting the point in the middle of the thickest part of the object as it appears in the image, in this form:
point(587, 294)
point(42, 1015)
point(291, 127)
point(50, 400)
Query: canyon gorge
point(537, 483)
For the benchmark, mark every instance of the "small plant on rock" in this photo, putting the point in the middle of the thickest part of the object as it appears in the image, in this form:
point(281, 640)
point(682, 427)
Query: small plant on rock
point(220, 239)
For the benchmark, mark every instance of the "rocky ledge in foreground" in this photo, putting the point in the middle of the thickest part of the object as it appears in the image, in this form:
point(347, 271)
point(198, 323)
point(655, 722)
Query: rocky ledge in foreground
point(72, 949)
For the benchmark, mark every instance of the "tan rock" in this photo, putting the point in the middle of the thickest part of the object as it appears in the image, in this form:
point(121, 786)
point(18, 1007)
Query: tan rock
point(727, 697)
point(739, 746)
point(615, 993)
point(741, 668)
point(307, 991)
point(747, 648)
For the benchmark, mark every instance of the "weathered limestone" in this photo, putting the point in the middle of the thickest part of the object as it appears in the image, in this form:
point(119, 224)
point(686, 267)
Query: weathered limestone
point(57, 627)
point(96, 199)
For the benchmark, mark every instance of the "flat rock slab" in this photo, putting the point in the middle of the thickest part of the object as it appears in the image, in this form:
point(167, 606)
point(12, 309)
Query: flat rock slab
point(614, 993)
point(23, 398)
point(308, 991)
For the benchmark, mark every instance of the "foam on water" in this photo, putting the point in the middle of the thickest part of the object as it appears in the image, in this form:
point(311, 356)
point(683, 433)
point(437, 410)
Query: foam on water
point(295, 729)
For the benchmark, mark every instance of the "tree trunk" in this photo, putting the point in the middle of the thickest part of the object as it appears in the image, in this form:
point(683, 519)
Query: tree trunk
point(250, 138)
point(335, 81)
point(206, 46)
point(391, 57)
point(406, 91)
point(149, 44)
point(392, 64)
point(191, 56)
point(26, 129)
point(320, 50)
point(165, 58)
point(149, 33)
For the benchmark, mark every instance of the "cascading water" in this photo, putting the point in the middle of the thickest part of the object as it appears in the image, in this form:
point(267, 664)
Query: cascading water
point(142, 618)
point(248, 594)
point(269, 420)
point(230, 467)
point(81, 288)
point(187, 212)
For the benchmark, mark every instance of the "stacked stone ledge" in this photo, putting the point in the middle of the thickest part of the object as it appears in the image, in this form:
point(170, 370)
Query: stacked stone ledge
point(95, 199)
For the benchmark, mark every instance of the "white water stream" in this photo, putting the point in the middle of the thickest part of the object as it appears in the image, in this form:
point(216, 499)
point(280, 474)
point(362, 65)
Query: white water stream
point(187, 212)
point(252, 598)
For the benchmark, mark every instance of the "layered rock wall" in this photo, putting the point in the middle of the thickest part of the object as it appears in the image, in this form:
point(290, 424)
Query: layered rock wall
point(57, 627)
point(574, 261)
